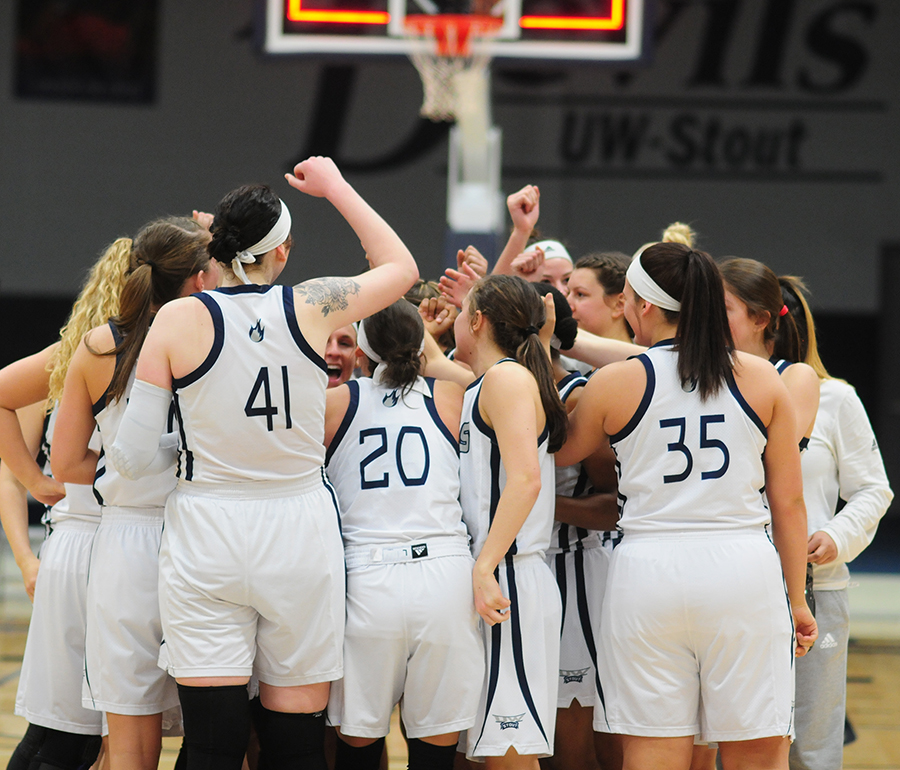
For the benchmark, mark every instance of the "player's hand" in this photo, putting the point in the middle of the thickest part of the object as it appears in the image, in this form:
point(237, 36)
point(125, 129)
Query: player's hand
point(47, 490)
point(524, 208)
point(474, 259)
point(805, 628)
point(821, 548)
point(528, 264)
point(316, 176)
point(455, 284)
point(438, 315)
point(490, 602)
point(549, 323)
point(29, 575)
point(203, 218)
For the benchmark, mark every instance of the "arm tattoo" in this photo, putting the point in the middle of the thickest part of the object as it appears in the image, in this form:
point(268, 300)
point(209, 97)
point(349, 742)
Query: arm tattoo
point(330, 293)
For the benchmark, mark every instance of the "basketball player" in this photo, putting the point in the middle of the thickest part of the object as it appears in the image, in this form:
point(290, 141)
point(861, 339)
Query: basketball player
point(697, 634)
point(251, 557)
point(412, 632)
point(507, 496)
point(123, 634)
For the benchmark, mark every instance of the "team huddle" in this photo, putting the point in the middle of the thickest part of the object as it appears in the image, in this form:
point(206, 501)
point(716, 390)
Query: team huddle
point(558, 512)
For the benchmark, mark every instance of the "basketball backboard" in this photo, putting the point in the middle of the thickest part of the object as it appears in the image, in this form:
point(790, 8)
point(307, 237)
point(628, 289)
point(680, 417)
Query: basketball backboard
point(566, 30)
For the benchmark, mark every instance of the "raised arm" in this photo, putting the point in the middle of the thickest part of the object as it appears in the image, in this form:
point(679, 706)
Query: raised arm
point(331, 303)
point(524, 209)
point(14, 500)
point(601, 351)
point(23, 383)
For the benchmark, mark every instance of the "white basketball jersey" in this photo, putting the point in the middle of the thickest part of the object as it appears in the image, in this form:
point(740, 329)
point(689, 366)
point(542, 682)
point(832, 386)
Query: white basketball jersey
point(688, 464)
point(80, 502)
point(571, 481)
point(483, 478)
point(110, 487)
point(395, 466)
point(254, 410)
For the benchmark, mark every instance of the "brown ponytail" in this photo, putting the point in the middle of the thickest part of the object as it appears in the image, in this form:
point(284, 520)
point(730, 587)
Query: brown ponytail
point(164, 254)
point(396, 334)
point(704, 338)
point(516, 314)
point(758, 288)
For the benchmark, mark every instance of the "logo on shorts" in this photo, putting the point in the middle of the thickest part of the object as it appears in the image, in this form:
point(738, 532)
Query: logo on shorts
point(576, 675)
point(828, 642)
point(511, 721)
point(390, 399)
point(257, 333)
point(420, 550)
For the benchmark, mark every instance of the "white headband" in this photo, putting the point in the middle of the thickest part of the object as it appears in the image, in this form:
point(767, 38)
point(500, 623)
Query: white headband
point(362, 342)
point(275, 237)
point(646, 288)
point(551, 249)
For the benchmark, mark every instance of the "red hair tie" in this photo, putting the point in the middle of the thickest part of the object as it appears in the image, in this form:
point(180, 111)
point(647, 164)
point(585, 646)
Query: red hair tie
point(784, 310)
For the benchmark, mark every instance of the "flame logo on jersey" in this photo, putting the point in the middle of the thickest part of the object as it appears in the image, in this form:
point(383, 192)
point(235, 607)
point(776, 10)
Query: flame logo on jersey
point(391, 399)
point(575, 675)
point(257, 333)
point(509, 722)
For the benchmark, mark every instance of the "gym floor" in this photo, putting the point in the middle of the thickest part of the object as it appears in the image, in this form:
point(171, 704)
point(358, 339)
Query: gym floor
point(873, 693)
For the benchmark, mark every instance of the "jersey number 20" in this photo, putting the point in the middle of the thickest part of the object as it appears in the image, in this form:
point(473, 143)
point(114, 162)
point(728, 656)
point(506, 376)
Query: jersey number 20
point(379, 435)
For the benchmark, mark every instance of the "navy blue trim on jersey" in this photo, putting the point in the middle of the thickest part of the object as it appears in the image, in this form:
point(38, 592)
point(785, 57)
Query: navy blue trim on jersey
point(567, 385)
point(584, 615)
point(486, 429)
point(215, 313)
point(98, 473)
point(780, 364)
point(516, 629)
point(431, 406)
point(100, 404)
point(494, 673)
point(739, 397)
point(337, 509)
point(290, 315)
point(804, 442)
point(352, 407)
point(186, 473)
point(645, 399)
point(666, 343)
point(560, 560)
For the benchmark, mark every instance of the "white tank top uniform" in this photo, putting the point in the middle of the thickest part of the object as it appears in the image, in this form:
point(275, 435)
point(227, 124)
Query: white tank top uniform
point(518, 699)
point(123, 632)
point(579, 558)
point(781, 365)
point(251, 557)
point(50, 683)
point(412, 633)
point(696, 629)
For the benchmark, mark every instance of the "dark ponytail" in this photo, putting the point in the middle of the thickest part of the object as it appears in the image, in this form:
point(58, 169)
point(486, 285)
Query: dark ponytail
point(758, 288)
point(396, 335)
point(516, 314)
point(704, 338)
point(243, 217)
point(164, 254)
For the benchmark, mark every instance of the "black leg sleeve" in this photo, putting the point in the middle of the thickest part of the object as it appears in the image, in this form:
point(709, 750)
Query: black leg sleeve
point(27, 749)
point(288, 741)
point(427, 756)
point(358, 758)
point(216, 726)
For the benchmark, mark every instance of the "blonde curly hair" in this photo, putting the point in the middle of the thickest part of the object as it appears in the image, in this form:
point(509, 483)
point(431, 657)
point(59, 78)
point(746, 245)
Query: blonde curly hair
point(96, 304)
point(679, 232)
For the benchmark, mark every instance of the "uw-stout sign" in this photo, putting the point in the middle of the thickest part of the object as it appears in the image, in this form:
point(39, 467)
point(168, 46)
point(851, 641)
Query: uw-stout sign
point(766, 89)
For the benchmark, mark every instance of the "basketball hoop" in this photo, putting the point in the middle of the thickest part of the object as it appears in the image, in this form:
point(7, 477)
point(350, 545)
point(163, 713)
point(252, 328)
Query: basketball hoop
point(449, 60)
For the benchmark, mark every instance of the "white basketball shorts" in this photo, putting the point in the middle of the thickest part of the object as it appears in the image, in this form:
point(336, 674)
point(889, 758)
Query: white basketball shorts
point(697, 638)
point(252, 581)
point(413, 637)
point(50, 684)
point(518, 698)
point(123, 628)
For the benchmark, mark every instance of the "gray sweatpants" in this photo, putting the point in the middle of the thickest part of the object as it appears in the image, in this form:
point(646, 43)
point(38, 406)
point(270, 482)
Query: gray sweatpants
point(821, 689)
